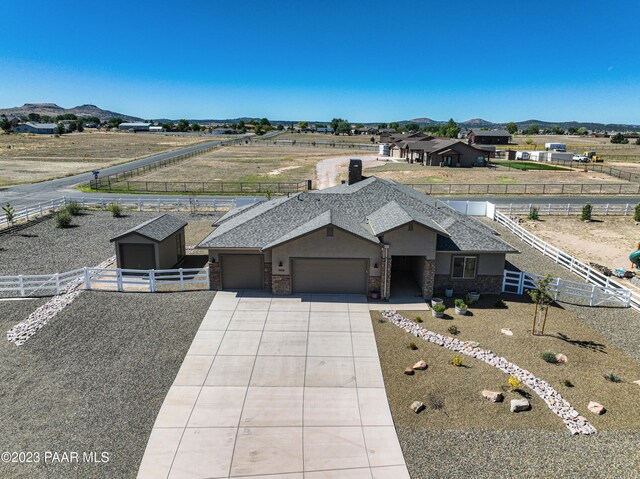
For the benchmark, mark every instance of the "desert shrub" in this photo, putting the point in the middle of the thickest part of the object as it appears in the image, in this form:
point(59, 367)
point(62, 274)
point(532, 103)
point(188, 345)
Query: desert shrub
point(116, 210)
point(567, 383)
point(453, 330)
point(9, 212)
point(439, 308)
point(513, 383)
point(613, 377)
point(460, 304)
point(418, 319)
point(434, 402)
point(636, 213)
point(533, 214)
point(500, 304)
point(457, 361)
point(413, 346)
point(62, 219)
point(549, 357)
point(74, 208)
point(586, 212)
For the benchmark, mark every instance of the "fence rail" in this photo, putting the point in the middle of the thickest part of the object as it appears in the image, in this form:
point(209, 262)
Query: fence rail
point(518, 282)
point(110, 279)
point(625, 175)
point(192, 205)
point(327, 144)
point(210, 187)
point(528, 189)
point(566, 260)
point(568, 209)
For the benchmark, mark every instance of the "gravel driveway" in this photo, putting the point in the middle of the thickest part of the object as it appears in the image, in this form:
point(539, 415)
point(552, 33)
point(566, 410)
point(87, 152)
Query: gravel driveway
point(327, 171)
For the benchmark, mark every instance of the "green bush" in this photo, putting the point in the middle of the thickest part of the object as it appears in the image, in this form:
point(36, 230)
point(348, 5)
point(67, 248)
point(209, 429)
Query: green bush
point(412, 346)
point(533, 214)
point(586, 212)
point(62, 219)
point(613, 377)
point(418, 319)
point(116, 210)
point(500, 304)
point(453, 330)
point(439, 308)
point(567, 383)
point(74, 208)
point(636, 213)
point(549, 357)
point(460, 304)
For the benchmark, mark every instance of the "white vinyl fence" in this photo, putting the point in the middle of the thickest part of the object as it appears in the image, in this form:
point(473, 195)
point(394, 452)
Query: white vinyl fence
point(564, 259)
point(193, 205)
point(518, 282)
point(108, 279)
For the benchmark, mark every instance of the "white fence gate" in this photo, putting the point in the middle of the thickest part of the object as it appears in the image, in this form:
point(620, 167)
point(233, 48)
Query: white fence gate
point(518, 282)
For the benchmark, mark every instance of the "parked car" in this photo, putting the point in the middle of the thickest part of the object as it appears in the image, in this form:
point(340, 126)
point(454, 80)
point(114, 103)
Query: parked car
point(581, 158)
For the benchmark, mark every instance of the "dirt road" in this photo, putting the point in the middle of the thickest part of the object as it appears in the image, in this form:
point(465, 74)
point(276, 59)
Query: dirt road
point(327, 171)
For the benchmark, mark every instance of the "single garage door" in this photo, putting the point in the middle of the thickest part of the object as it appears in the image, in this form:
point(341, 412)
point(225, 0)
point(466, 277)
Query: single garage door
point(313, 275)
point(137, 256)
point(241, 271)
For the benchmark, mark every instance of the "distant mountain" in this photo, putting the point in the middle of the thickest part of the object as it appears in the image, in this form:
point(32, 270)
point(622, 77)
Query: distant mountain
point(51, 109)
point(477, 122)
point(423, 121)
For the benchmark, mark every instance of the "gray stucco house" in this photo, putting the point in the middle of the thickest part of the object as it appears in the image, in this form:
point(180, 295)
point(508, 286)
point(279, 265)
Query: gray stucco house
point(370, 236)
point(439, 152)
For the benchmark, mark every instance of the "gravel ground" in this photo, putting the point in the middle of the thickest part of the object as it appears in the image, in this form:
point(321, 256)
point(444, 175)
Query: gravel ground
point(43, 249)
point(93, 379)
point(532, 454)
point(620, 325)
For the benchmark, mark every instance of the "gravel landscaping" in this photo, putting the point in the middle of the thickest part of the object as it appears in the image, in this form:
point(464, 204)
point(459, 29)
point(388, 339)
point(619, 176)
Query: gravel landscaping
point(93, 379)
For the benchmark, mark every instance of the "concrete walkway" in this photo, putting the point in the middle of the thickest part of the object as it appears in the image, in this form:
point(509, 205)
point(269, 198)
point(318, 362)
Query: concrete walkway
point(278, 387)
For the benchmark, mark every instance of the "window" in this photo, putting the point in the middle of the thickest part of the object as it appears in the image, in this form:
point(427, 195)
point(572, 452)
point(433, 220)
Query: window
point(464, 267)
point(329, 231)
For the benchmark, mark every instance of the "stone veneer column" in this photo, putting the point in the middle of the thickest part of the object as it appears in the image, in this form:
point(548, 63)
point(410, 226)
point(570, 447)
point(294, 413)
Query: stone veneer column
point(386, 277)
point(374, 284)
point(281, 284)
point(267, 275)
point(428, 278)
point(215, 277)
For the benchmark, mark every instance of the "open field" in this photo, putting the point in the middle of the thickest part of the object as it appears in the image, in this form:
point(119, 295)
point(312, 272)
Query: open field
point(328, 138)
point(415, 173)
point(250, 163)
point(26, 158)
point(606, 240)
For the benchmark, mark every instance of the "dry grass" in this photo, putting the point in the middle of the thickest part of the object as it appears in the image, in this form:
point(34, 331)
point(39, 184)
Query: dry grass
point(579, 144)
point(259, 163)
point(29, 158)
point(416, 173)
point(458, 388)
point(330, 138)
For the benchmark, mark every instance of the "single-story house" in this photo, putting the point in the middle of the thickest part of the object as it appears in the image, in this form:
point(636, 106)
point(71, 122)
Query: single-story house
point(155, 244)
point(489, 137)
point(396, 137)
point(371, 236)
point(38, 128)
point(327, 130)
point(440, 152)
point(365, 130)
point(136, 126)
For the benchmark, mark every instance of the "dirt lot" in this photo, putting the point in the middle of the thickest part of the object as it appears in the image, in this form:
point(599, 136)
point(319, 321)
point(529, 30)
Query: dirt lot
point(330, 138)
point(29, 158)
point(416, 173)
point(607, 240)
point(255, 163)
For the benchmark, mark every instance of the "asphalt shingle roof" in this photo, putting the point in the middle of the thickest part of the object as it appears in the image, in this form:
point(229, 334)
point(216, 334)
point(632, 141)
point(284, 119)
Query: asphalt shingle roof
point(156, 229)
point(348, 207)
point(490, 132)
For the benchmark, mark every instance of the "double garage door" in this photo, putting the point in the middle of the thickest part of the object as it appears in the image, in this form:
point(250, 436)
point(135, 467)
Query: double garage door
point(315, 275)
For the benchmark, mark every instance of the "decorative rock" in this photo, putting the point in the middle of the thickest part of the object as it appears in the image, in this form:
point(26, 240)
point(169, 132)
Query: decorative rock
point(596, 408)
point(506, 331)
point(492, 396)
point(518, 405)
point(472, 344)
point(417, 406)
point(637, 382)
point(409, 372)
point(561, 358)
point(421, 365)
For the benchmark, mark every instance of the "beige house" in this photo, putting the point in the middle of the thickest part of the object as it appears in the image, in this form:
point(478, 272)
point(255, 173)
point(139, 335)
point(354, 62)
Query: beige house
point(371, 236)
point(439, 152)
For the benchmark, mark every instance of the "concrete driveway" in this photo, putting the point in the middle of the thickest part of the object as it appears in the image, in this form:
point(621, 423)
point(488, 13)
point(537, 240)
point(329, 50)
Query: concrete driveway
point(289, 387)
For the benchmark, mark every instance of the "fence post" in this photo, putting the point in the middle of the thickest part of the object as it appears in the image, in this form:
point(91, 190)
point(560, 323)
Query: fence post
point(21, 284)
point(521, 282)
point(152, 280)
point(87, 279)
point(119, 279)
point(208, 278)
point(181, 280)
point(57, 276)
point(593, 292)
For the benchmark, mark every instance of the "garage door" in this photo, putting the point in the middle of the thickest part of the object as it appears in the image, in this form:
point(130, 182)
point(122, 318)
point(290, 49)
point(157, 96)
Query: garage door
point(137, 256)
point(329, 275)
point(241, 271)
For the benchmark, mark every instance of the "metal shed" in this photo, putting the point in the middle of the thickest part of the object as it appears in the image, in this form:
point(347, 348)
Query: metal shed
point(155, 244)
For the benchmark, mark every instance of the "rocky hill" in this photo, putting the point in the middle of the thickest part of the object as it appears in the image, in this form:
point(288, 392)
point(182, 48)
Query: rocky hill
point(53, 110)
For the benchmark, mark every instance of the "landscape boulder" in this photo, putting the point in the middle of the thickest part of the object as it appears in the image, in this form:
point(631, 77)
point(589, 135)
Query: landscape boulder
point(417, 406)
point(518, 405)
point(493, 396)
point(561, 358)
point(596, 408)
point(420, 365)
point(409, 372)
point(506, 332)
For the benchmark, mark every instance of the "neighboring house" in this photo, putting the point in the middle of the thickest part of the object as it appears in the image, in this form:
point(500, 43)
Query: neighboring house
point(366, 130)
point(371, 236)
point(157, 129)
point(326, 130)
point(395, 137)
point(134, 126)
point(440, 152)
point(489, 137)
point(38, 128)
point(155, 244)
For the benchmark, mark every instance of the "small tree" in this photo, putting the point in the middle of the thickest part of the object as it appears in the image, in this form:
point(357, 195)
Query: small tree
point(533, 214)
point(10, 212)
point(586, 212)
point(5, 124)
point(619, 138)
point(636, 213)
point(528, 141)
point(512, 128)
point(542, 298)
point(638, 141)
point(61, 129)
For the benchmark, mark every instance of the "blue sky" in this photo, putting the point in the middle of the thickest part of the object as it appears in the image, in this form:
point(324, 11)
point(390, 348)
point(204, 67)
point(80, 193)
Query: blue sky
point(365, 61)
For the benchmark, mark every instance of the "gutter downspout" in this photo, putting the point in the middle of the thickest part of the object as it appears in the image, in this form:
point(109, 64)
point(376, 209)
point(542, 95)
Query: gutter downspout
point(385, 261)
